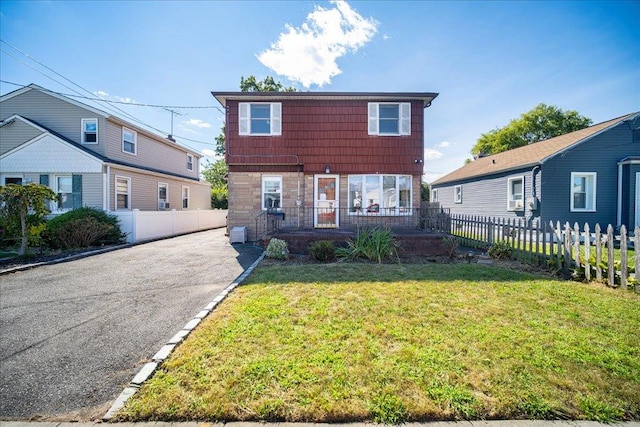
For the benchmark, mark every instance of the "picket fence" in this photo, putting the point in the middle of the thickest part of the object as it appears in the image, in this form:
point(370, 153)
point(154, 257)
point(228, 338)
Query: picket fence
point(600, 255)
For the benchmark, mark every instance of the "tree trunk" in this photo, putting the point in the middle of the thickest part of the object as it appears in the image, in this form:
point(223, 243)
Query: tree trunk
point(25, 234)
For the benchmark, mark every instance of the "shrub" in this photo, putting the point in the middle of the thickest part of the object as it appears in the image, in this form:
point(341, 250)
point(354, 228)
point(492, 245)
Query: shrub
point(322, 250)
point(219, 198)
point(375, 243)
point(500, 250)
point(83, 227)
point(278, 249)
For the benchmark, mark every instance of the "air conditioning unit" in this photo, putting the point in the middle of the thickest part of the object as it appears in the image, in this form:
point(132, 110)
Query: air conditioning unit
point(164, 205)
point(518, 204)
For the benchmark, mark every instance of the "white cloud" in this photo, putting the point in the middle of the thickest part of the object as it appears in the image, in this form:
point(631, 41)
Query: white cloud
point(308, 54)
point(198, 123)
point(432, 154)
point(386, 37)
point(100, 94)
point(444, 144)
point(209, 153)
point(125, 100)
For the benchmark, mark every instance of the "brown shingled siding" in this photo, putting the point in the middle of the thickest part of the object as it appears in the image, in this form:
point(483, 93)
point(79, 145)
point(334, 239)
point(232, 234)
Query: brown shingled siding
point(324, 133)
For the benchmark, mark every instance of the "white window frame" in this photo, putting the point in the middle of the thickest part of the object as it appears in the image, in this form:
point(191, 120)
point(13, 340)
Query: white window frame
point(128, 193)
point(275, 118)
point(57, 191)
point(162, 203)
point(186, 197)
point(83, 133)
point(457, 194)
point(266, 178)
point(364, 206)
point(404, 118)
point(434, 194)
point(590, 191)
point(512, 203)
point(190, 159)
point(135, 141)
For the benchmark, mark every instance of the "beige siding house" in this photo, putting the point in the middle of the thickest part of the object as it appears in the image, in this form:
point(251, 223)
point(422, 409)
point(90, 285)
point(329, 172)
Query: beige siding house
point(91, 158)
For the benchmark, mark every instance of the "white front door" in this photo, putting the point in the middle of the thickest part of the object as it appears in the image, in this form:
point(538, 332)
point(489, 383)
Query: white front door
point(637, 199)
point(326, 194)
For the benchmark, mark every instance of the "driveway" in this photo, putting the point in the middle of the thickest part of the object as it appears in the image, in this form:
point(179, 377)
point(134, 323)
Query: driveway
point(73, 335)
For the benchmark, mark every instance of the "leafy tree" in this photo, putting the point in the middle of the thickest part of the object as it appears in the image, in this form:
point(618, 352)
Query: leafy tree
point(215, 173)
point(540, 123)
point(220, 149)
point(250, 84)
point(425, 191)
point(17, 202)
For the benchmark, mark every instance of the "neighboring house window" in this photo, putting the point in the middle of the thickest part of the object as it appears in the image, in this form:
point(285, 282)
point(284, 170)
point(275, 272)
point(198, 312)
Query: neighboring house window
point(583, 191)
point(123, 193)
point(129, 141)
point(434, 195)
point(271, 192)
point(189, 162)
point(69, 191)
point(185, 197)
point(457, 194)
point(13, 180)
point(389, 118)
point(163, 196)
point(380, 194)
point(515, 194)
point(260, 118)
point(89, 131)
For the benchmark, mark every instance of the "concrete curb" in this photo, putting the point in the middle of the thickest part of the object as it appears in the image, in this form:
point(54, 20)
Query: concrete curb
point(149, 369)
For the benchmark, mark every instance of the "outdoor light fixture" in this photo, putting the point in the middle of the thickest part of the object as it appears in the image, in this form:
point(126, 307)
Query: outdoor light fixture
point(327, 169)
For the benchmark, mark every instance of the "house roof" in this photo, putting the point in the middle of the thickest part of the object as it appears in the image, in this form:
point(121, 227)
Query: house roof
point(93, 153)
point(425, 97)
point(99, 112)
point(529, 155)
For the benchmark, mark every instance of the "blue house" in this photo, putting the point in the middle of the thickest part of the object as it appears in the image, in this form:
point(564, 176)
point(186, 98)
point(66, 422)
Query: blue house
point(587, 176)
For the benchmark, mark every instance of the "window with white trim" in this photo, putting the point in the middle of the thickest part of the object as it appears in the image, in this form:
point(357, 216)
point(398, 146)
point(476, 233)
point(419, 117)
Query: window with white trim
point(434, 195)
point(583, 191)
point(123, 193)
point(12, 180)
point(89, 131)
point(185, 197)
point(515, 194)
point(189, 162)
point(129, 141)
point(163, 196)
point(389, 118)
point(380, 194)
point(457, 194)
point(271, 192)
point(263, 118)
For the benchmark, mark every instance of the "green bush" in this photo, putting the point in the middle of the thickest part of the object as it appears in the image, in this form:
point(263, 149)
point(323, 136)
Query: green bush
point(322, 250)
point(83, 227)
point(277, 248)
point(500, 250)
point(219, 198)
point(375, 243)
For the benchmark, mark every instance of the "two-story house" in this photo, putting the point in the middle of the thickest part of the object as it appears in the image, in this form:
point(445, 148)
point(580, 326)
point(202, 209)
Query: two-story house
point(323, 159)
point(92, 158)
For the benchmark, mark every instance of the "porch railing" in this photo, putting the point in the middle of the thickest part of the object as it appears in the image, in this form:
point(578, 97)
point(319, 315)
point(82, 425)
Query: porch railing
point(308, 218)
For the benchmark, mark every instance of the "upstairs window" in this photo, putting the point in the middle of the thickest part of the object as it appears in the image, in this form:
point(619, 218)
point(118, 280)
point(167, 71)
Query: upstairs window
point(260, 118)
point(583, 192)
point(389, 118)
point(89, 131)
point(515, 194)
point(129, 141)
point(189, 162)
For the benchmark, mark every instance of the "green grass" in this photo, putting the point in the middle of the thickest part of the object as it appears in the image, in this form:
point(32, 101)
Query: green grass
point(393, 343)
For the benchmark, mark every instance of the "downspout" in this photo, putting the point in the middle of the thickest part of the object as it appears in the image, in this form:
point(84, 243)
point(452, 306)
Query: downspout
point(619, 204)
point(104, 189)
point(108, 187)
point(534, 192)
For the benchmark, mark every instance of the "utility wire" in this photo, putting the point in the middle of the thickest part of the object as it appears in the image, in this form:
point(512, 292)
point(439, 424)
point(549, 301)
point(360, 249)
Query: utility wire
point(131, 117)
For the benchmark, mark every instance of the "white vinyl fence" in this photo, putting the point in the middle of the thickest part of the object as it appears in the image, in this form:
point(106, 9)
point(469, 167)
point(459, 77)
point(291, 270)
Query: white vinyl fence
point(148, 225)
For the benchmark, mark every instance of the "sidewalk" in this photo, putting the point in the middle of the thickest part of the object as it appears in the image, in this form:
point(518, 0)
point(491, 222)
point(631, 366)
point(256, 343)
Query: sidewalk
point(493, 423)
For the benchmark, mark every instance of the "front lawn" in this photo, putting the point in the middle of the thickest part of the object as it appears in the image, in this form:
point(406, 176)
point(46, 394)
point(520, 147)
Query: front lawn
point(392, 343)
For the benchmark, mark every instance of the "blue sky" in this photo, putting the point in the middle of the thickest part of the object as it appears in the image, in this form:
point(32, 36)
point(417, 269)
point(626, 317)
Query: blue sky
point(489, 60)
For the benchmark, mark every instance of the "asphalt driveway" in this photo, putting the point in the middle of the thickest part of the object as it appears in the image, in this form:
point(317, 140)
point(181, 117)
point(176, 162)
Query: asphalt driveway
point(72, 335)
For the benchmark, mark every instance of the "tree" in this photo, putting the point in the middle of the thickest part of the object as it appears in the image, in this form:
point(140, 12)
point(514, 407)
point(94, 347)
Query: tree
point(540, 123)
point(216, 173)
point(250, 84)
point(425, 192)
point(17, 202)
